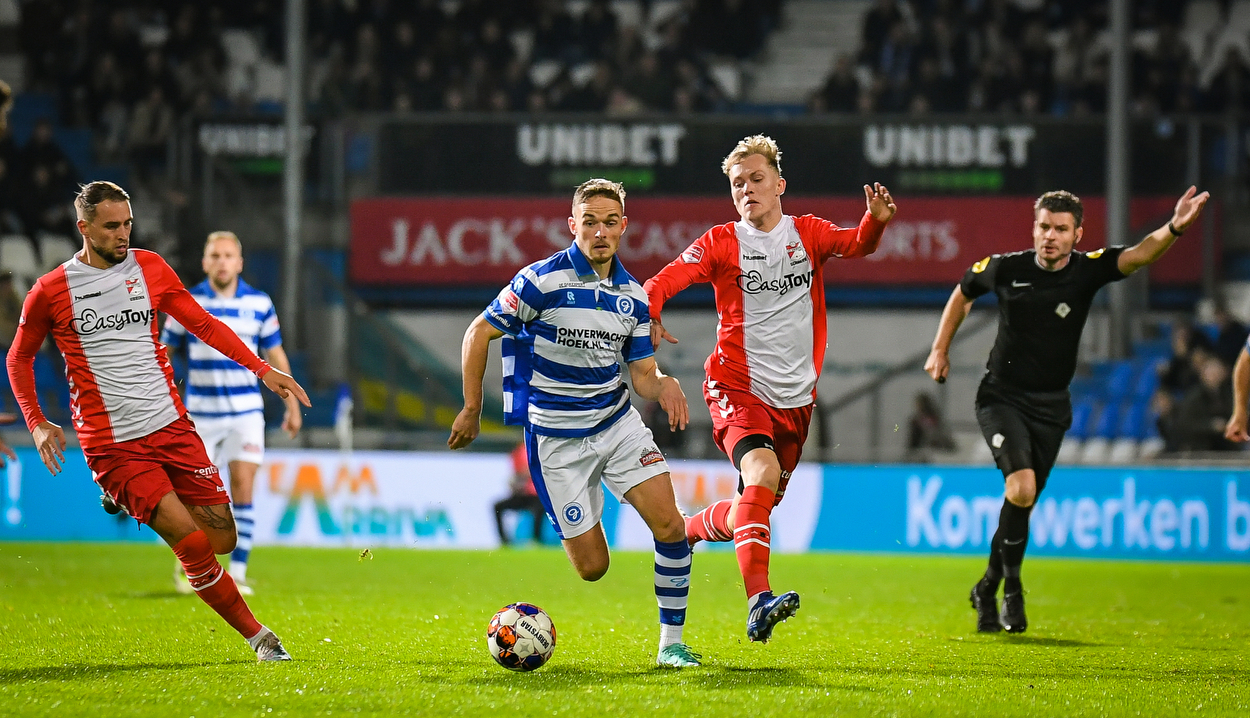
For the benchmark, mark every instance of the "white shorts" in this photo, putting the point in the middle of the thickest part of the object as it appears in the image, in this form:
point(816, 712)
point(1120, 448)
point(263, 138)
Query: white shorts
point(569, 473)
point(233, 438)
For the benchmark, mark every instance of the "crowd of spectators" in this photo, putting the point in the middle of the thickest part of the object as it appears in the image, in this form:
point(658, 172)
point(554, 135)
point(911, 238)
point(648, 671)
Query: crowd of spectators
point(1024, 56)
point(1195, 395)
point(130, 68)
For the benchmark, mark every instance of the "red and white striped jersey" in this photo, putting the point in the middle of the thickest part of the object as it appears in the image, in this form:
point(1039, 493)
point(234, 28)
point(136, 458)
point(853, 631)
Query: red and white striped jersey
point(770, 300)
point(105, 323)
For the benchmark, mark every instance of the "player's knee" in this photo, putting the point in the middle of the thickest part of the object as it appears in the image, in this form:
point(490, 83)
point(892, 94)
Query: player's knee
point(671, 530)
point(593, 570)
point(1022, 489)
point(223, 542)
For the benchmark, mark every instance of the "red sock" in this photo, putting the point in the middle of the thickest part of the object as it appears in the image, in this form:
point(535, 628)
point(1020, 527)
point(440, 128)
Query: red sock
point(752, 536)
point(710, 524)
point(213, 585)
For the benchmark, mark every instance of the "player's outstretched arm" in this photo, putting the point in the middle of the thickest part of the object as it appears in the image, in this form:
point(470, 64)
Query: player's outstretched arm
point(938, 365)
point(1150, 249)
point(293, 419)
point(33, 328)
point(474, 351)
point(1236, 428)
point(654, 385)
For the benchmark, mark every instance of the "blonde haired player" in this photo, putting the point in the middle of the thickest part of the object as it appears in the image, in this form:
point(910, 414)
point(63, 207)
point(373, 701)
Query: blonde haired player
point(766, 270)
point(222, 397)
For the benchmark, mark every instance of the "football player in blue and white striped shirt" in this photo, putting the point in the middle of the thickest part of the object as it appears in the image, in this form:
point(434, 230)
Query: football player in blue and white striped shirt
point(222, 397)
point(564, 322)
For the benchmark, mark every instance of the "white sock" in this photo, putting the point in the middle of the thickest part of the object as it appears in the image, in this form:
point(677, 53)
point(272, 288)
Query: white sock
point(238, 570)
point(254, 641)
point(669, 634)
point(753, 601)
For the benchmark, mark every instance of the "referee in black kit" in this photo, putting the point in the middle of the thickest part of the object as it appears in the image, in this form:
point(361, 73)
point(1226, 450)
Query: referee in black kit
point(1023, 405)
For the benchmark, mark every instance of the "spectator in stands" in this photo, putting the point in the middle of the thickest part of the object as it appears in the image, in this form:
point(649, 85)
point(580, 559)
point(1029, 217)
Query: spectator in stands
point(926, 430)
point(151, 127)
point(1203, 412)
point(1163, 409)
point(841, 90)
point(1179, 373)
point(46, 206)
point(1231, 336)
point(10, 309)
point(9, 221)
point(43, 151)
point(523, 497)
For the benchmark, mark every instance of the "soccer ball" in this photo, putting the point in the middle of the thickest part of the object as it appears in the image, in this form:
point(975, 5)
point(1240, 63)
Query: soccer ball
point(521, 637)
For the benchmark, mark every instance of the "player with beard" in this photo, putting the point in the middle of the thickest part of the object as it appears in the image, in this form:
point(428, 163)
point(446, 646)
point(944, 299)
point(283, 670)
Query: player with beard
point(101, 307)
point(1023, 405)
point(766, 270)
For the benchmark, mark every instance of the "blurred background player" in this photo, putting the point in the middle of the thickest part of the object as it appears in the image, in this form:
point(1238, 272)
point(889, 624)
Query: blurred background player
point(222, 397)
point(1023, 405)
point(766, 270)
point(522, 497)
point(567, 318)
point(101, 308)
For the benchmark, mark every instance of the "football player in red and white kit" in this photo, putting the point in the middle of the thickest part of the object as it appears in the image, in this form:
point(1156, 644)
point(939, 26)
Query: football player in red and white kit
point(101, 308)
point(766, 270)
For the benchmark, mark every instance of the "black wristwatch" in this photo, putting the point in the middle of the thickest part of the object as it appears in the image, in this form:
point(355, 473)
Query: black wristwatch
point(1172, 228)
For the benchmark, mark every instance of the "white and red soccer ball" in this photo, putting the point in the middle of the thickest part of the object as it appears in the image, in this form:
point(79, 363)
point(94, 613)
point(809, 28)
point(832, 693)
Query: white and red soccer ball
point(521, 637)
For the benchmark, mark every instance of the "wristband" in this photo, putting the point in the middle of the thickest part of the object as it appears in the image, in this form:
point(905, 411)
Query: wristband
point(1172, 228)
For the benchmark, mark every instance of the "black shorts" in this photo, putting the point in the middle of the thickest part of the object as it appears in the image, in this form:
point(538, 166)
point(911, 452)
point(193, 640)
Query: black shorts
point(1023, 428)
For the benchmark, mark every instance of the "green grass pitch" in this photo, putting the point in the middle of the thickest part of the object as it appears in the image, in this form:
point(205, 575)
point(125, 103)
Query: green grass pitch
point(95, 629)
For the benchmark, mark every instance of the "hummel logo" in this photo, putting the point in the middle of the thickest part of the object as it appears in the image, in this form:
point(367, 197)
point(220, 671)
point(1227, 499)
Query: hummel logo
point(1021, 284)
point(1063, 310)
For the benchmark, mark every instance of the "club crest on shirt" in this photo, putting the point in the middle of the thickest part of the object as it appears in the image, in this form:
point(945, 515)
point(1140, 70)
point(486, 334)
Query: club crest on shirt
point(625, 305)
point(693, 254)
point(795, 251)
point(134, 288)
point(509, 301)
point(1063, 310)
point(650, 457)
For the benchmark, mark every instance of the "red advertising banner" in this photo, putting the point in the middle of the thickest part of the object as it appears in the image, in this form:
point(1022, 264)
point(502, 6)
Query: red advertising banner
point(483, 241)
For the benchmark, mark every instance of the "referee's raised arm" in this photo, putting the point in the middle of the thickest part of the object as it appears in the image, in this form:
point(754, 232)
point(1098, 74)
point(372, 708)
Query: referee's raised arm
point(1150, 249)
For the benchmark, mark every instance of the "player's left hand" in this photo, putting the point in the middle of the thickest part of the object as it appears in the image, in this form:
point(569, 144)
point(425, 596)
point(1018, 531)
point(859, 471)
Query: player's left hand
point(880, 203)
point(673, 402)
point(293, 419)
point(465, 428)
point(1188, 207)
point(285, 386)
point(1236, 429)
point(6, 451)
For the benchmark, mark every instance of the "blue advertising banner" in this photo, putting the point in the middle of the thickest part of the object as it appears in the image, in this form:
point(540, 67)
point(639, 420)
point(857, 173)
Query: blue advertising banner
point(1137, 513)
point(37, 506)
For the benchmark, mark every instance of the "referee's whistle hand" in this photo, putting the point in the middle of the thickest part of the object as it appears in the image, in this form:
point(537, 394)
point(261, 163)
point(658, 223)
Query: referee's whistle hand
point(284, 385)
point(938, 366)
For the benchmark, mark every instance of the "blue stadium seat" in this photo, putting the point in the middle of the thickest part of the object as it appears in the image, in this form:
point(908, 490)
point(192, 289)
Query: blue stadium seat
point(1082, 411)
point(1120, 380)
point(1134, 418)
point(1108, 421)
point(1147, 381)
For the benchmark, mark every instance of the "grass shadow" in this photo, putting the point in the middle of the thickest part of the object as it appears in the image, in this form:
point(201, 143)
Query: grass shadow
point(710, 677)
point(162, 595)
point(1047, 641)
point(79, 671)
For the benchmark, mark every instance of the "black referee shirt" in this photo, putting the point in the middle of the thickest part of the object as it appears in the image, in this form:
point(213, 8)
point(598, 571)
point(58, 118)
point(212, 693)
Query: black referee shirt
point(1040, 314)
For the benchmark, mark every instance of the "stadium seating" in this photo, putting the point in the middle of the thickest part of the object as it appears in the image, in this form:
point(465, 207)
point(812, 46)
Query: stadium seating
point(17, 255)
point(54, 249)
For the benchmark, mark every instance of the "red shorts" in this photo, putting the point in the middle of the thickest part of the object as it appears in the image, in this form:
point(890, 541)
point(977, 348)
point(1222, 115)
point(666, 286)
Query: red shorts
point(138, 473)
point(736, 414)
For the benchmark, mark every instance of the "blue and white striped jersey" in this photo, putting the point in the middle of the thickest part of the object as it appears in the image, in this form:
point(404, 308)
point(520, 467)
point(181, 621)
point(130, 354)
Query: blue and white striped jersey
point(565, 329)
point(217, 386)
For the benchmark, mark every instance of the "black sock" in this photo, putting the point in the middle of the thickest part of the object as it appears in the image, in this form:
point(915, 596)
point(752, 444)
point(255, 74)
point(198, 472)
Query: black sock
point(1013, 525)
point(994, 570)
